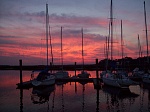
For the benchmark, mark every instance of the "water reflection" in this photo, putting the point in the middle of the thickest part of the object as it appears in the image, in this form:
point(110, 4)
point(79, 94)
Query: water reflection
point(83, 95)
point(97, 100)
point(114, 97)
point(146, 89)
point(117, 98)
point(119, 93)
point(41, 95)
point(21, 100)
point(62, 97)
point(70, 97)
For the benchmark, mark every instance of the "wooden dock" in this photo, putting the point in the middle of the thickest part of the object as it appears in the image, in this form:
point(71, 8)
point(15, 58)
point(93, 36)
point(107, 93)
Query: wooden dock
point(24, 85)
point(95, 81)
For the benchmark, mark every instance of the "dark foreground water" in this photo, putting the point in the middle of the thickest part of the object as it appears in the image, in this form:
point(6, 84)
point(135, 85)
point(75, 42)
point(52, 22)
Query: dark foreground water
point(70, 97)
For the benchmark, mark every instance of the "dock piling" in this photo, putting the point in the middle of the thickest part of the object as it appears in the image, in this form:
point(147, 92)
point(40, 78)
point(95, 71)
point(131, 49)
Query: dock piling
point(75, 68)
point(97, 82)
point(20, 63)
point(97, 69)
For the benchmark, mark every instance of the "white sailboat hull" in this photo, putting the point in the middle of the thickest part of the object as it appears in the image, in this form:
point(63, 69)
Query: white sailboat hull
point(46, 82)
point(61, 74)
point(121, 83)
point(111, 80)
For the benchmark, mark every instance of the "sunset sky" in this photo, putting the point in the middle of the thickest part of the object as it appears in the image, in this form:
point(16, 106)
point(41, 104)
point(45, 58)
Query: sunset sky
point(22, 29)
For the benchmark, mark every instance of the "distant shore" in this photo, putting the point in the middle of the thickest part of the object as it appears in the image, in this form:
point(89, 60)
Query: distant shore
point(127, 63)
point(54, 67)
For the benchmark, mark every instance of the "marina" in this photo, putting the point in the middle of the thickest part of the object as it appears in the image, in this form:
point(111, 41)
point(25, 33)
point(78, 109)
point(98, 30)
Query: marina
point(73, 58)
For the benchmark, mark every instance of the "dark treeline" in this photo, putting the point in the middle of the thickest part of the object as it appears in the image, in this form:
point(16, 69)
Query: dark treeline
point(127, 63)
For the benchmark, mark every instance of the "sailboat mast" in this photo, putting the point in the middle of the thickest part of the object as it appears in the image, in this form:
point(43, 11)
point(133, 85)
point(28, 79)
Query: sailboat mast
point(122, 40)
point(139, 46)
point(106, 52)
point(47, 21)
point(82, 50)
point(61, 50)
point(111, 27)
point(51, 44)
point(108, 41)
point(146, 31)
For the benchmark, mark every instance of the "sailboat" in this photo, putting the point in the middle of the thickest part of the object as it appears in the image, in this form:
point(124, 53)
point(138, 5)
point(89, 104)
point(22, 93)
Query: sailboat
point(146, 76)
point(121, 71)
point(61, 73)
point(83, 74)
point(44, 78)
point(112, 79)
point(137, 73)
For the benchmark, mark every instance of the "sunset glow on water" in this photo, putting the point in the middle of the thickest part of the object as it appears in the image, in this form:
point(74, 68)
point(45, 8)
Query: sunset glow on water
point(70, 96)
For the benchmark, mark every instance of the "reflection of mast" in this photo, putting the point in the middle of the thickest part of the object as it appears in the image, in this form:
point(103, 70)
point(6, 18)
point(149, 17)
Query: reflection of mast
point(62, 98)
point(97, 101)
point(53, 101)
point(21, 100)
point(149, 98)
point(75, 87)
point(83, 89)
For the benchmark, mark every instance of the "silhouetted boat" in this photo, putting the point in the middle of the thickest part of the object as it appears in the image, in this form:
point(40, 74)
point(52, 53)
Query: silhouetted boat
point(109, 78)
point(44, 78)
point(146, 77)
point(137, 74)
point(61, 73)
point(83, 74)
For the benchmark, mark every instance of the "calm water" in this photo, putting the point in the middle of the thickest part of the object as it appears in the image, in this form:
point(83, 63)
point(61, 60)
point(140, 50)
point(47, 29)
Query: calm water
point(70, 97)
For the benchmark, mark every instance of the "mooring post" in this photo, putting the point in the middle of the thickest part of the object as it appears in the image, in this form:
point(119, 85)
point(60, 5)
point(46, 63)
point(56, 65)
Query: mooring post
point(20, 63)
point(75, 68)
point(97, 77)
point(97, 69)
